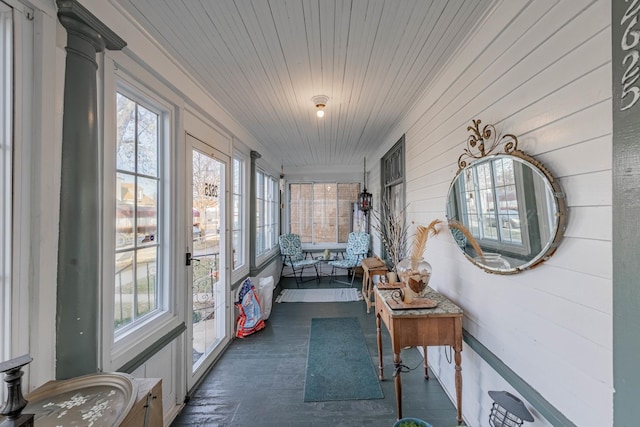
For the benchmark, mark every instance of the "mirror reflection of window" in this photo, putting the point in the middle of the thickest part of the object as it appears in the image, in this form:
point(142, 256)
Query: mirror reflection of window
point(490, 201)
point(506, 205)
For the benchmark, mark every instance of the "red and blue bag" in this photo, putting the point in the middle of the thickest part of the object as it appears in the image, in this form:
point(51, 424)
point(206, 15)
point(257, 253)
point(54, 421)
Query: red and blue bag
point(249, 312)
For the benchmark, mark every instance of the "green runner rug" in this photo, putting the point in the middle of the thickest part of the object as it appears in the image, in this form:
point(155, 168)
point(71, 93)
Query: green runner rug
point(339, 365)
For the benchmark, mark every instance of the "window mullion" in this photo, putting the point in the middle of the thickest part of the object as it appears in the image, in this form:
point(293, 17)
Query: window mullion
point(337, 217)
point(134, 279)
point(313, 213)
point(496, 209)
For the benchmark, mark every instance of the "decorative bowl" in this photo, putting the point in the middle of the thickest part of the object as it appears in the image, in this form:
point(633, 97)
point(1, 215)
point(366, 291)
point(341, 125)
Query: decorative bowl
point(411, 422)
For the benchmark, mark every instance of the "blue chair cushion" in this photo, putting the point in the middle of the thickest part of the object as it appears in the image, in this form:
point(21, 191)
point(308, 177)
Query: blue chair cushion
point(302, 263)
point(344, 263)
point(290, 245)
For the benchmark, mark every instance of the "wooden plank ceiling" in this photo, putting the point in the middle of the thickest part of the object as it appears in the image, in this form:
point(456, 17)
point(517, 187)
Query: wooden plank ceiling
point(263, 61)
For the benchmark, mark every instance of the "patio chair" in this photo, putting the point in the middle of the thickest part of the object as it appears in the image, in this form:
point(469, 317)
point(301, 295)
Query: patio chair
point(357, 250)
point(292, 256)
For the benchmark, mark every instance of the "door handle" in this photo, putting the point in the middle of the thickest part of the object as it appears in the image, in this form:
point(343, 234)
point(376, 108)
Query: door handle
point(189, 258)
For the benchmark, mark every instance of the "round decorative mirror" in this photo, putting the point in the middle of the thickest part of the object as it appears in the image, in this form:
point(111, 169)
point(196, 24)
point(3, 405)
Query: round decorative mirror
point(506, 212)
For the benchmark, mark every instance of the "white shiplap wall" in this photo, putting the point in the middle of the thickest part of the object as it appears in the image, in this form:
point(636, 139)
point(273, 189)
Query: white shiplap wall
point(542, 71)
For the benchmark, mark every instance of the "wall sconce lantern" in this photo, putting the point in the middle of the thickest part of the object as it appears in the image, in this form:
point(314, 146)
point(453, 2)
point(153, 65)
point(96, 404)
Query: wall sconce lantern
point(507, 410)
point(364, 198)
point(320, 101)
point(281, 178)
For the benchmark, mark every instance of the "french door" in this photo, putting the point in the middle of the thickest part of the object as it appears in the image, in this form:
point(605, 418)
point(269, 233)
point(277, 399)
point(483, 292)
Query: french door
point(209, 298)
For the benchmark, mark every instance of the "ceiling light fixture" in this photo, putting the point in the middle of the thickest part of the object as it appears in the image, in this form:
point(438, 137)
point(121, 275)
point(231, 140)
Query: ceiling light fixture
point(320, 101)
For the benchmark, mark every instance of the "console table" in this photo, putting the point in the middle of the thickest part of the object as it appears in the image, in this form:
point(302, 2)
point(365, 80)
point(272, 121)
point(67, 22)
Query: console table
point(441, 325)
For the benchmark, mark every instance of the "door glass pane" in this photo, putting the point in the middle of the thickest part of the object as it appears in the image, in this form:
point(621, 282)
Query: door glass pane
point(208, 315)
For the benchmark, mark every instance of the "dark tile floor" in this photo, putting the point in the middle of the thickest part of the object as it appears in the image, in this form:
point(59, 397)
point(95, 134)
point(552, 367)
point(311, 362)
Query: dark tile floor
point(259, 380)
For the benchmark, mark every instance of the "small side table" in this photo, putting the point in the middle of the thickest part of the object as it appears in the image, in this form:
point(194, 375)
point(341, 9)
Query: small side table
point(323, 264)
point(371, 267)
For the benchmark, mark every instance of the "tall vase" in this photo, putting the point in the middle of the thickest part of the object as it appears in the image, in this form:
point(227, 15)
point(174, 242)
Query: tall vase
point(415, 274)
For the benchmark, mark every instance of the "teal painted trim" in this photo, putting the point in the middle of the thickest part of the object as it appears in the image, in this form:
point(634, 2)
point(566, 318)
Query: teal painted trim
point(625, 211)
point(546, 409)
point(74, 10)
point(148, 353)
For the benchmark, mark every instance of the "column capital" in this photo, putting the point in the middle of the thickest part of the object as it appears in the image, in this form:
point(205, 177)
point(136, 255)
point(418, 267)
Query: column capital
point(255, 154)
point(77, 19)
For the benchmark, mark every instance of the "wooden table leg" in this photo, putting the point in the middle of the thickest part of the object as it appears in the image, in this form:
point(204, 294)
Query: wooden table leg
point(426, 365)
point(365, 291)
point(369, 286)
point(398, 381)
point(458, 379)
point(379, 336)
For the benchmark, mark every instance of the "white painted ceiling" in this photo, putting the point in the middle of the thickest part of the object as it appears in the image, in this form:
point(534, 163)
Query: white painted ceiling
point(263, 61)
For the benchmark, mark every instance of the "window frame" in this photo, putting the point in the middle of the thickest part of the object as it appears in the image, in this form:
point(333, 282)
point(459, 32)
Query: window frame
point(132, 95)
point(242, 214)
point(6, 183)
point(21, 181)
point(125, 76)
point(313, 204)
point(393, 185)
point(270, 210)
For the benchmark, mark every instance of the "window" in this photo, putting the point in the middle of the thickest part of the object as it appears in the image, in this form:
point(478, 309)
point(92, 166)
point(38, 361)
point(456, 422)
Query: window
point(6, 175)
point(137, 203)
point(393, 188)
point(321, 212)
point(266, 212)
point(237, 225)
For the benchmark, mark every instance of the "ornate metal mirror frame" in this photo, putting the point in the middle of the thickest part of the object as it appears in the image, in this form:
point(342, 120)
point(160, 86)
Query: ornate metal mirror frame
point(506, 211)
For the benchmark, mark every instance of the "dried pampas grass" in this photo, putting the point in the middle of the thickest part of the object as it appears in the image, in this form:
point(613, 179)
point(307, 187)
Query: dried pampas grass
point(458, 225)
point(422, 235)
